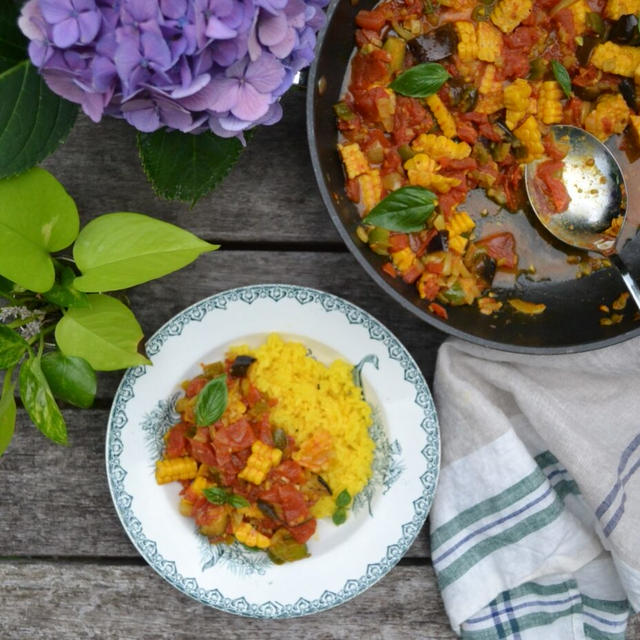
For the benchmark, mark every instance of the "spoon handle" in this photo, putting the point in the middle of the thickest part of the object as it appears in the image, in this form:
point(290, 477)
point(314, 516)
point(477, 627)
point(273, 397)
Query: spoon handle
point(629, 280)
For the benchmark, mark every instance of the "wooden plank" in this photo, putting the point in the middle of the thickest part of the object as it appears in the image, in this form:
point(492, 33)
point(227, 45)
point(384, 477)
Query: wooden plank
point(55, 500)
point(271, 194)
point(156, 302)
point(131, 601)
point(40, 599)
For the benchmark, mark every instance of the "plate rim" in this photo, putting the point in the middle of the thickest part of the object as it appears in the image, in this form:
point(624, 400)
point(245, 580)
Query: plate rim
point(421, 506)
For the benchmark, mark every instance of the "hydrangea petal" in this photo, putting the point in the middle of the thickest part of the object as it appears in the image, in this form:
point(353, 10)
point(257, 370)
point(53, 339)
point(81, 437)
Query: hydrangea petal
point(193, 88)
point(200, 101)
point(83, 5)
point(265, 74)
point(65, 33)
point(219, 30)
point(272, 29)
point(283, 48)
point(224, 94)
point(89, 24)
point(30, 21)
point(55, 11)
point(145, 120)
point(251, 104)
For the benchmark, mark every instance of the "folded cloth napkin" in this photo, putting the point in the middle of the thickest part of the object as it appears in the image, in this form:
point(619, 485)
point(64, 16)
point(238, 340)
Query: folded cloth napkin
point(535, 526)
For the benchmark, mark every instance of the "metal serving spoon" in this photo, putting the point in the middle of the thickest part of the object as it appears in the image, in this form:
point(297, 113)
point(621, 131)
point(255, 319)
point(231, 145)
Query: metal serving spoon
point(595, 184)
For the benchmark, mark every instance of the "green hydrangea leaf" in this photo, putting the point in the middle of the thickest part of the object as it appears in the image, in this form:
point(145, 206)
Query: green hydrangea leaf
point(7, 412)
point(106, 334)
point(12, 347)
point(37, 216)
point(13, 45)
point(181, 166)
point(70, 379)
point(34, 121)
point(120, 250)
point(40, 403)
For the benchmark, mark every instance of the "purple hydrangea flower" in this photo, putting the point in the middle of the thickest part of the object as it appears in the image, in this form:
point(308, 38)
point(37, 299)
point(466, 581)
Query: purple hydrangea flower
point(189, 65)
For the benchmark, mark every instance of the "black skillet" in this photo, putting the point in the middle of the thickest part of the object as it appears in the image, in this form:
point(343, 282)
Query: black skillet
point(571, 321)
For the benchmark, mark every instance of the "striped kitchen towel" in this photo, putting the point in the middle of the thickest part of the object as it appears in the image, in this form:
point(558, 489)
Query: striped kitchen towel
point(535, 527)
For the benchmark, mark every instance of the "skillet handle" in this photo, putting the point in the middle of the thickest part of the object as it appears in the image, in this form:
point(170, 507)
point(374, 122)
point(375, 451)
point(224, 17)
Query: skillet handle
point(629, 280)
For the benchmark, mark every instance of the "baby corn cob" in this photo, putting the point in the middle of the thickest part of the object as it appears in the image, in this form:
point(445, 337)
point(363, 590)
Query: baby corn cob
point(615, 58)
point(422, 172)
point(610, 116)
point(440, 147)
point(442, 115)
point(467, 41)
point(489, 42)
point(460, 223)
point(529, 134)
point(488, 83)
point(516, 100)
point(508, 14)
point(550, 102)
point(458, 243)
point(262, 459)
point(579, 12)
point(370, 189)
point(246, 534)
point(617, 8)
point(355, 162)
point(175, 469)
point(403, 260)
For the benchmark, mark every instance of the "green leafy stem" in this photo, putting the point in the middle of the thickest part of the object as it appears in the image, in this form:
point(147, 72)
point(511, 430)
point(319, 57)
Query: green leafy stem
point(47, 295)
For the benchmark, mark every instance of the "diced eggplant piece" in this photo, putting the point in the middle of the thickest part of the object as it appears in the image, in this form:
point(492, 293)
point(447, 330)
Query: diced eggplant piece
point(625, 30)
point(437, 44)
point(463, 95)
point(240, 366)
point(439, 242)
point(583, 52)
point(627, 89)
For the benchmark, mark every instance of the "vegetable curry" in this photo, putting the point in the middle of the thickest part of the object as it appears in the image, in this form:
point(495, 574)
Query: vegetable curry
point(444, 105)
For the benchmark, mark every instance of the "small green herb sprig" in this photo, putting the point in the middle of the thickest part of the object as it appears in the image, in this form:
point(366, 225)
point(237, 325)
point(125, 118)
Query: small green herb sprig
point(342, 502)
point(57, 325)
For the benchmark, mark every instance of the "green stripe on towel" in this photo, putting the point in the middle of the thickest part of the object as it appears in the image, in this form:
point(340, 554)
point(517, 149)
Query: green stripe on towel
point(483, 548)
point(487, 507)
point(596, 634)
point(537, 619)
point(609, 606)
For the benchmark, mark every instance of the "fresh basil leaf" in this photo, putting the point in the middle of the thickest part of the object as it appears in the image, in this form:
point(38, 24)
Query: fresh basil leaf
point(70, 379)
point(406, 209)
point(13, 45)
point(343, 499)
point(63, 293)
point(562, 77)
point(212, 401)
point(12, 347)
point(7, 412)
point(37, 217)
point(421, 81)
point(40, 403)
point(216, 495)
point(237, 501)
point(121, 250)
point(106, 334)
point(34, 121)
point(181, 166)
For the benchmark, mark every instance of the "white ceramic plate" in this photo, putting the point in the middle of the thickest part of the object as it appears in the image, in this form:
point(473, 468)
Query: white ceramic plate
point(387, 515)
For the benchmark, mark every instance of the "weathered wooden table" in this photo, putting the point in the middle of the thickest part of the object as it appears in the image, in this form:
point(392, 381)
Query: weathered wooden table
point(67, 568)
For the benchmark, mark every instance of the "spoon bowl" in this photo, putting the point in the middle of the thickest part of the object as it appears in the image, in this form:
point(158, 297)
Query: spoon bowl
point(598, 201)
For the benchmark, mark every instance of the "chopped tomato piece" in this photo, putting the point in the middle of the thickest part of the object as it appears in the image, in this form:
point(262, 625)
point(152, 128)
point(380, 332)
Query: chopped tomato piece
point(234, 437)
point(398, 241)
point(438, 310)
point(502, 248)
point(302, 532)
point(373, 20)
point(202, 452)
point(177, 441)
point(549, 177)
point(195, 386)
point(389, 269)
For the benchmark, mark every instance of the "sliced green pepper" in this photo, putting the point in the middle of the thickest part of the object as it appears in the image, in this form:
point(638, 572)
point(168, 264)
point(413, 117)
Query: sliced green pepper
point(343, 111)
point(454, 295)
point(379, 241)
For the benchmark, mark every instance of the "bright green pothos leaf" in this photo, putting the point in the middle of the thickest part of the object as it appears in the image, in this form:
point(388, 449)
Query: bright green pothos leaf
point(12, 347)
point(13, 45)
point(106, 334)
point(562, 76)
point(7, 411)
point(33, 119)
point(39, 401)
point(181, 166)
point(212, 401)
point(63, 293)
point(405, 210)
point(421, 81)
point(120, 250)
point(37, 217)
point(70, 379)
point(218, 495)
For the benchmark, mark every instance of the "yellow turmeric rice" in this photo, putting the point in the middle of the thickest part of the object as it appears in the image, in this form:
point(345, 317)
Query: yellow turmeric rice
point(314, 398)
